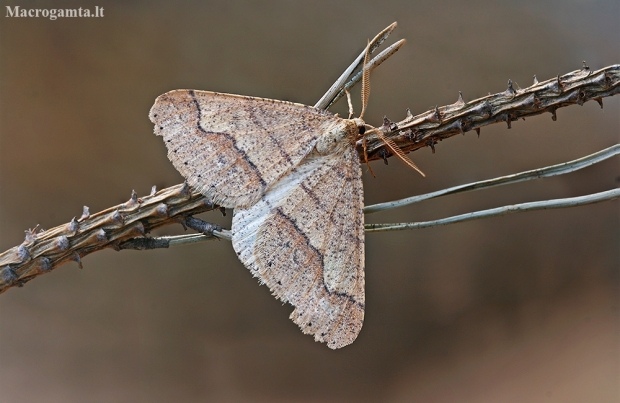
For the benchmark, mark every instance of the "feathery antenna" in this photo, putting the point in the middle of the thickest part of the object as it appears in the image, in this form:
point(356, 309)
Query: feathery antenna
point(395, 150)
point(365, 81)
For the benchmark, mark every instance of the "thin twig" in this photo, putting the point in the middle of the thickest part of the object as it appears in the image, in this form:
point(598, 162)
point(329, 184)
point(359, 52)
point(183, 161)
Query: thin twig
point(195, 238)
point(374, 63)
point(327, 98)
point(546, 172)
point(515, 208)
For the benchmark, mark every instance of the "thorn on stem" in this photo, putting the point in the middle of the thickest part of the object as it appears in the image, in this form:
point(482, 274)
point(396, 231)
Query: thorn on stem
point(31, 234)
point(184, 189)
point(85, 213)
point(62, 243)
point(45, 264)
point(431, 144)
point(8, 275)
point(102, 236)
point(435, 116)
point(22, 253)
point(388, 124)
point(383, 154)
point(118, 217)
point(78, 259)
point(600, 101)
point(162, 210)
point(133, 199)
point(510, 90)
point(73, 226)
point(459, 101)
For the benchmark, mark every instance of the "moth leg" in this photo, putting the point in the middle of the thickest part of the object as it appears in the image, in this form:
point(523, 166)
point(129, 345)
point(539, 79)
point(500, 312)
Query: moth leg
point(351, 113)
point(365, 145)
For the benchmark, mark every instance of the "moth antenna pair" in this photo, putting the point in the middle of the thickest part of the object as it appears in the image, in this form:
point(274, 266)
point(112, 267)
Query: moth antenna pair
point(364, 141)
point(387, 141)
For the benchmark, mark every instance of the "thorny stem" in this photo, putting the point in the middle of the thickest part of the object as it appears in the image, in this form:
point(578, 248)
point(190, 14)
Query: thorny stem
point(120, 227)
point(431, 127)
point(124, 226)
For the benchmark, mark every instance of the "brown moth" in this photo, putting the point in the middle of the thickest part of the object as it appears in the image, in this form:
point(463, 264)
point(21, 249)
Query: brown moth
point(292, 174)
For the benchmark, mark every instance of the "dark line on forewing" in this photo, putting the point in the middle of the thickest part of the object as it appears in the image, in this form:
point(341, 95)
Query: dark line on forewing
point(275, 140)
point(281, 149)
point(279, 211)
point(229, 137)
point(312, 195)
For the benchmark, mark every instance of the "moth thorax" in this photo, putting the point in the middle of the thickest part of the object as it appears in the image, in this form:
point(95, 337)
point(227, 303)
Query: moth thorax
point(338, 136)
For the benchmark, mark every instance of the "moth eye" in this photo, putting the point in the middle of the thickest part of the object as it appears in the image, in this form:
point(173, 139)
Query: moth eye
point(362, 129)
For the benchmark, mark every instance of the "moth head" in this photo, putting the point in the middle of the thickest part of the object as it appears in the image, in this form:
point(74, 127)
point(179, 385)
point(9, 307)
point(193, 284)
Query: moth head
point(360, 126)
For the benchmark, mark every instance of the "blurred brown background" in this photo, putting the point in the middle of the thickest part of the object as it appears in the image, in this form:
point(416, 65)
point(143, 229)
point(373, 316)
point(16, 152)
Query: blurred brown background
point(522, 308)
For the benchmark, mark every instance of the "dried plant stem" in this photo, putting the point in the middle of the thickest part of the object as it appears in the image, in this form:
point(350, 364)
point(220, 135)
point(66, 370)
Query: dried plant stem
point(499, 211)
point(120, 227)
point(546, 172)
point(336, 89)
point(428, 128)
point(372, 64)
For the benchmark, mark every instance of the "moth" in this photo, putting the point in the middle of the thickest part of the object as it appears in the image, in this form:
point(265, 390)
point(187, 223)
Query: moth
point(292, 174)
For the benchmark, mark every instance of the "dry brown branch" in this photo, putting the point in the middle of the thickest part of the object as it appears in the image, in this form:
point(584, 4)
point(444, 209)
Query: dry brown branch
point(125, 226)
point(120, 227)
point(430, 127)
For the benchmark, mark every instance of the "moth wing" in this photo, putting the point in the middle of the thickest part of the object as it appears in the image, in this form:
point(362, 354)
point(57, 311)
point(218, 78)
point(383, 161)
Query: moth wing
point(305, 240)
point(231, 148)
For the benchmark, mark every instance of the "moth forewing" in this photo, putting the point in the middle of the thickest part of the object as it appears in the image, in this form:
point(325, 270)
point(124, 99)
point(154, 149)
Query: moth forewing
point(232, 148)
